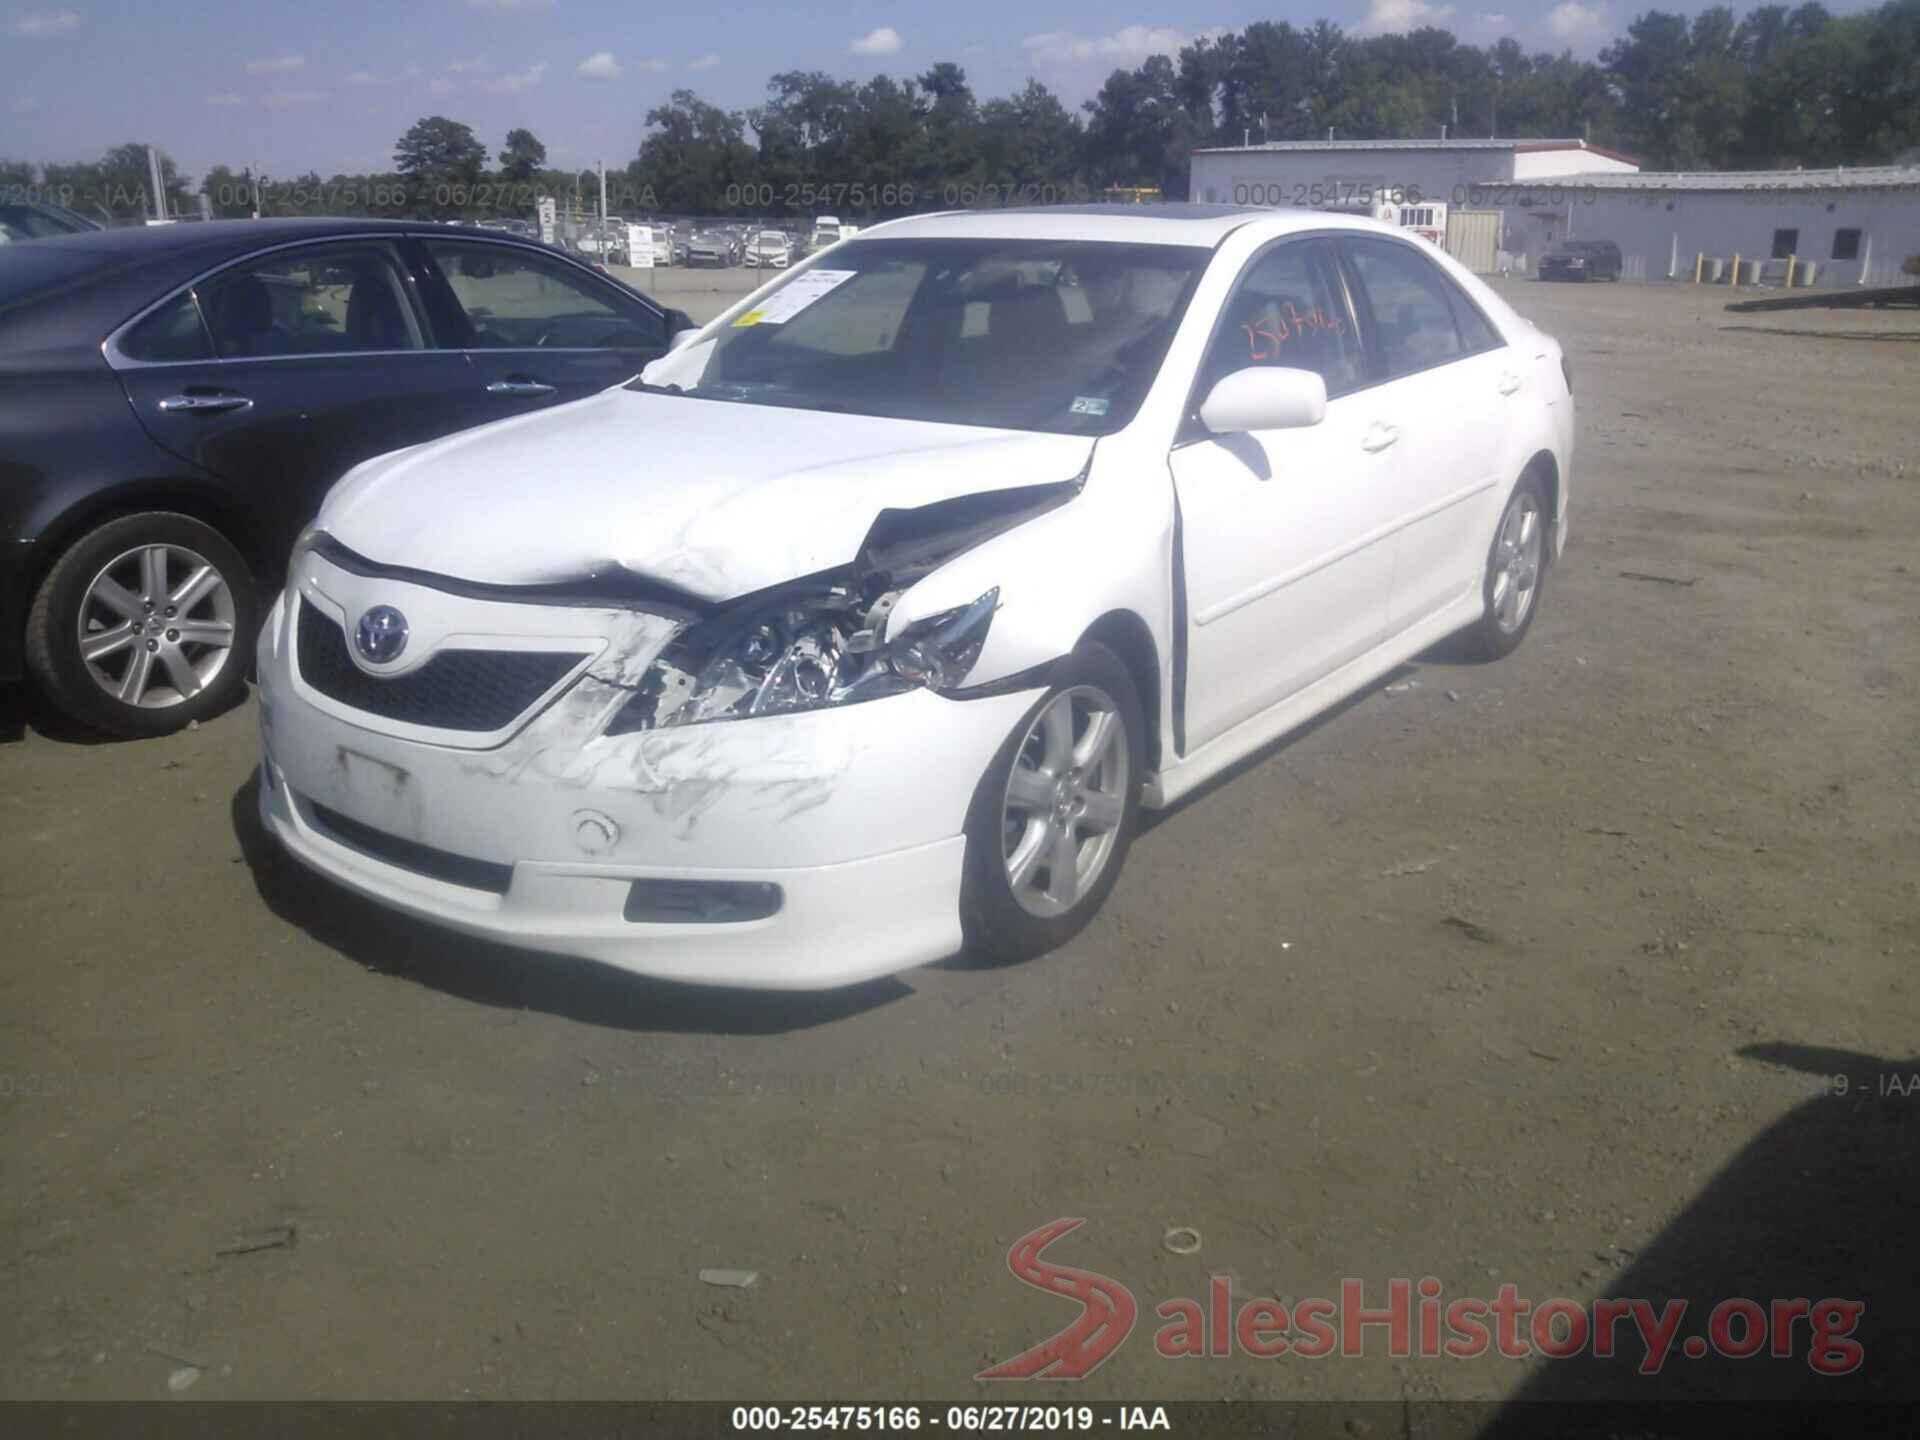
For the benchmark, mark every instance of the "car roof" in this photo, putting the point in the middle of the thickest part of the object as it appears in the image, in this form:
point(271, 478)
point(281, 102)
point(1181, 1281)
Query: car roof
point(1166, 224)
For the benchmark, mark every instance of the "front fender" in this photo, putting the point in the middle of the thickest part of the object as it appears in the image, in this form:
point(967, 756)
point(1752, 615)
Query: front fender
point(1108, 549)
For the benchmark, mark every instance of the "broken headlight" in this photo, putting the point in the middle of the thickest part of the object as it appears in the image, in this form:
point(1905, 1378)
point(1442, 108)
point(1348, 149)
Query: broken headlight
point(804, 653)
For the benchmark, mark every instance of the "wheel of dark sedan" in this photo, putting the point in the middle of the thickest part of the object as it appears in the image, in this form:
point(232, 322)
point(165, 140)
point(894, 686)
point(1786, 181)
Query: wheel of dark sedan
point(144, 625)
point(1516, 565)
point(1053, 818)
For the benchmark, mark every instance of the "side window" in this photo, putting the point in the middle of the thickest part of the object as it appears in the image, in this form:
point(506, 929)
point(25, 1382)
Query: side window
point(318, 300)
point(1288, 310)
point(173, 333)
point(516, 300)
point(1406, 297)
point(1476, 331)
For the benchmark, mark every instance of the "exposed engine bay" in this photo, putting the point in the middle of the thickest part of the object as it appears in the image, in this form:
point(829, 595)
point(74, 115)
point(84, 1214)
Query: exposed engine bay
point(824, 640)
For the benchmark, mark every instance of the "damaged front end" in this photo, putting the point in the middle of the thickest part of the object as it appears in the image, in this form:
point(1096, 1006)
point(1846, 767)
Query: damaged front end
point(824, 641)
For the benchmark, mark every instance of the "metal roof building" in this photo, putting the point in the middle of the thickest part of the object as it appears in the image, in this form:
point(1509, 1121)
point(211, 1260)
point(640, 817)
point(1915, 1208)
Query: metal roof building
point(1846, 225)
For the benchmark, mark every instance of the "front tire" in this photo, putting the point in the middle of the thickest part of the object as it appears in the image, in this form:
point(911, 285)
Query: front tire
point(1516, 567)
point(1054, 816)
point(144, 625)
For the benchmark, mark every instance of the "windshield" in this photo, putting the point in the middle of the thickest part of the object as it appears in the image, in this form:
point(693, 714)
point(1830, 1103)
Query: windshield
point(1061, 336)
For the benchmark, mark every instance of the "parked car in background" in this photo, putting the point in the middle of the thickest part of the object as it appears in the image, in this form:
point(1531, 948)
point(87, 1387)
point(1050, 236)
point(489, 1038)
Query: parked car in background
point(710, 247)
point(826, 231)
point(770, 250)
point(972, 543)
point(605, 241)
point(151, 499)
point(1581, 260)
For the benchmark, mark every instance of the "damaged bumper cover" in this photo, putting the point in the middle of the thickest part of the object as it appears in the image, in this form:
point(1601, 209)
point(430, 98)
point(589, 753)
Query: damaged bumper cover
point(797, 850)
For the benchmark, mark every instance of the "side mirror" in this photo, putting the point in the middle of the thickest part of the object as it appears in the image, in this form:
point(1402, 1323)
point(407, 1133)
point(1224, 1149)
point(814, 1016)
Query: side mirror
point(1265, 397)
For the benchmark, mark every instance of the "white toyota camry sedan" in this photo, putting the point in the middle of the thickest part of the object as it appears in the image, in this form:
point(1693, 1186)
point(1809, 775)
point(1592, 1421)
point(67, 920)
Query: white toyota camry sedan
point(860, 626)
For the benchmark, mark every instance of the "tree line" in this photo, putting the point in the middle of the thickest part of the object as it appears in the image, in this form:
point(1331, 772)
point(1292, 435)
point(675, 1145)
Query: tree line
point(1776, 88)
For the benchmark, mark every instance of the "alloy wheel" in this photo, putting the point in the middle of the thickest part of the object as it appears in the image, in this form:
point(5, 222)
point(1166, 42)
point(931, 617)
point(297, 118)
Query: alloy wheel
point(1065, 800)
point(156, 626)
point(1517, 554)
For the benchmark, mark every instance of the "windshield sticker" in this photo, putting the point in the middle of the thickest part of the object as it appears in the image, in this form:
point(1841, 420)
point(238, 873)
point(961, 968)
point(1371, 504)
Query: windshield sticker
point(795, 296)
point(1089, 405)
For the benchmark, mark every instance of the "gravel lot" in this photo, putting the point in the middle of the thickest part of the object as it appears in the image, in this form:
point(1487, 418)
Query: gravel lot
point(1531, 973)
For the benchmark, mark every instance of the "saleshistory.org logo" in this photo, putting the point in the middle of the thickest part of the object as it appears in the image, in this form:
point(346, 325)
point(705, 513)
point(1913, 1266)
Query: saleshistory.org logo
point(1509, 1326)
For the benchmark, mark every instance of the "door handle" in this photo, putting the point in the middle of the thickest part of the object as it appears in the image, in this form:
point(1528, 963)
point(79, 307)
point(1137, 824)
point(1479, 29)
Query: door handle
point(1379, 437)
point(204, 404)
point(519, 387)
point(1509, 382)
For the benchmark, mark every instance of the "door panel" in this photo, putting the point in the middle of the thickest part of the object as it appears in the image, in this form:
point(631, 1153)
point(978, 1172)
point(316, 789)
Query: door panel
point(1445, 366)
point(322, 365)
point(537, 329)
point(307, 421)
point(1285, 533)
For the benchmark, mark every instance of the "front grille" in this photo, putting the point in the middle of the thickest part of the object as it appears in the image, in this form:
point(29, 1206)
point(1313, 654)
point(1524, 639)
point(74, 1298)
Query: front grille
point(474, 690)
point(411, 855)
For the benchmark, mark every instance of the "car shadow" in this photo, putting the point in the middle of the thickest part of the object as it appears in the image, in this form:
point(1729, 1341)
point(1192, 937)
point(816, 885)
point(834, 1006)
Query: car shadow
point(1817, 1207)
point(485, 973)
point(24, 708)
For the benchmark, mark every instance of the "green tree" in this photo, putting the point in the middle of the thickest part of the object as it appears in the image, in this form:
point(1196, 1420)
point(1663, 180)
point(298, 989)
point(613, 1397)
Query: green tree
point(440, 158)
point(521, 156)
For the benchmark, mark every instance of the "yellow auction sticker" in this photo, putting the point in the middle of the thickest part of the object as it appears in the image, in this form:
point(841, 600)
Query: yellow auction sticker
point(752, 317)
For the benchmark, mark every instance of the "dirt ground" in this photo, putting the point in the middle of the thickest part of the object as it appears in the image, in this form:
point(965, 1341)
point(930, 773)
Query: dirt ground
point(1537, 973)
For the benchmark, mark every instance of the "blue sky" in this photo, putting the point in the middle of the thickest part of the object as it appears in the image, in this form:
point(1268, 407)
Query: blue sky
point(330, 87)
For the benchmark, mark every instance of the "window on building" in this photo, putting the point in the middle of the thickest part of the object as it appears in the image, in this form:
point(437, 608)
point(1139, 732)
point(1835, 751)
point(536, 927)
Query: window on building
point(1846, 244)
point(1785, 243)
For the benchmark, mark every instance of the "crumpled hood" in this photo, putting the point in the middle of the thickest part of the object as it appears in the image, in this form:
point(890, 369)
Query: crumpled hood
point(715, 498)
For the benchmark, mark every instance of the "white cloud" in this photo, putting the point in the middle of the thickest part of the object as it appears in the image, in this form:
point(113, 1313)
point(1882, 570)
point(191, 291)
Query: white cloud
point(1492, 19)
point(884, 41)
point(1571, 21)
point(374, 77)
point(275, 64)
point(47, 22)
point(226, 99)
point(1128, 45)
point(599, 66)
point(479, 65)
point(514, 81)
point(1396, 17)
point(705, 62)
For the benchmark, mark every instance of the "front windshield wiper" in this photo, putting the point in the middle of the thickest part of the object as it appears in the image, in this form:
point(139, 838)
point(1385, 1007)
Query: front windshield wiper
point(648, 388)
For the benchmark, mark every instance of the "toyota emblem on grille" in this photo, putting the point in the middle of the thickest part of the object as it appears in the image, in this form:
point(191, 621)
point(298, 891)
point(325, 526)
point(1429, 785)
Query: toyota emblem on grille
point(381, 635)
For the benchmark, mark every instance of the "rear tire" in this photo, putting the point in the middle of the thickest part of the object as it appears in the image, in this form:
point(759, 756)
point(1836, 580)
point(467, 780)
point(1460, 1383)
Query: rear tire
point(144, 625)
point(1516, 568)
point(1064, 790)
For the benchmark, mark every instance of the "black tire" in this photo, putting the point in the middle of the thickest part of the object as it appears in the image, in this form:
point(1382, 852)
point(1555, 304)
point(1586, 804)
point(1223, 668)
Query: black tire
point(62, 606)
point(999, 927)
point(1490, 637)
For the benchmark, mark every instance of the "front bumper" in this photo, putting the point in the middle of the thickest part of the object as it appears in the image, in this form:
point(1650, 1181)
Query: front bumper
point(855, 813)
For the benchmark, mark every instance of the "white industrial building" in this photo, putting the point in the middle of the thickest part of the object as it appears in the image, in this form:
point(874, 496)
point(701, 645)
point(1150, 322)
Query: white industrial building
point(1436, 170)
point(1846, 226)
point(1481, 198)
